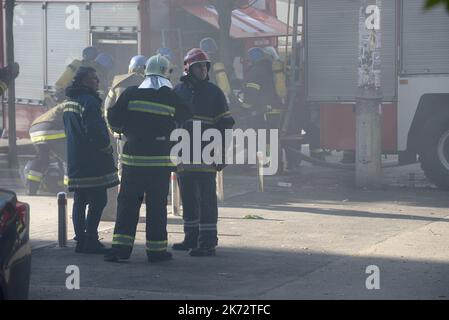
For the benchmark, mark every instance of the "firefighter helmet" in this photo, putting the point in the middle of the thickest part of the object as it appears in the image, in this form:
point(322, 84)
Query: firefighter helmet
point(90, 53)
point(158, 65)
point(256, 54)
point(272, 53)
point(194, 56)
point(105, 60)
point(208, 45)
point(137, 64)
point(165, 52)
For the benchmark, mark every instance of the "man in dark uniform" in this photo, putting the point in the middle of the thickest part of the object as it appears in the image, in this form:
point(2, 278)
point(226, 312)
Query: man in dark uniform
point(146, 115)
point(197, 181)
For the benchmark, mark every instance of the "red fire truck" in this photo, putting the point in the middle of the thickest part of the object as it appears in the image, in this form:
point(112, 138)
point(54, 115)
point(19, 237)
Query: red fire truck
point(414, 80)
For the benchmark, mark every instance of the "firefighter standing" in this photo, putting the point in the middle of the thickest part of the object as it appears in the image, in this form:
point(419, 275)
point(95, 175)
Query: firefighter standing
point(146, 115)
point(134, 77)
point(89, 54)
point(174, 70)
point(197, 181)
point(260, 97)
point(49, 139)
point(218, 76)
point(90, 163)
point(104, 64)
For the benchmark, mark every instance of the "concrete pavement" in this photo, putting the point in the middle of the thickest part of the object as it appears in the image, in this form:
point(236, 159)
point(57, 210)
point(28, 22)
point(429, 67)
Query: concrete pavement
point(313, 240)
point(310, 241)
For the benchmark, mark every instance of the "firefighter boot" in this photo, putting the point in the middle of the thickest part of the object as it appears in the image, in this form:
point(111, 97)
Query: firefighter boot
point(93, 246)
point(202, 252)
point(79, 248)
point(189, 242)
point(159, 256)
point(117, 255)
point(183, 246)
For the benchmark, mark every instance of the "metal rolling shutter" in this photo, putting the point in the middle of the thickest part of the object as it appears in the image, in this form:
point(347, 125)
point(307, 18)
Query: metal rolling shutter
point(65, 39)
point(115, 15)
point(425, 45)
point(332, 49)
point(29, 50)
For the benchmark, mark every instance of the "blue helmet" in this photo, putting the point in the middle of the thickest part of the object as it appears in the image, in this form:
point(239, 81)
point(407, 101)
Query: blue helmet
point(165, 52)
point(208, 45)
point(137, 64)
point(256, 54)
point(105, 60)
point(90, 53)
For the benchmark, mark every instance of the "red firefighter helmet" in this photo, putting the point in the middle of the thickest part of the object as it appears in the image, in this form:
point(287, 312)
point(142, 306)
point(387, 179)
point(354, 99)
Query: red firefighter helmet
point(195, 55)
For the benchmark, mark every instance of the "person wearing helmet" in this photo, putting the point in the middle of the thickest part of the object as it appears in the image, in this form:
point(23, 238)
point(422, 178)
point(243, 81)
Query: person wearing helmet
point(90, 163)
point(49, 139)
point(146, 115)
point(218, 75)
point(88, 57)
point(175, 72)
point(104, 64)
point(166, 52)
point(259, 92)
point(197, 181)
point(134, 77)
point(261, 101)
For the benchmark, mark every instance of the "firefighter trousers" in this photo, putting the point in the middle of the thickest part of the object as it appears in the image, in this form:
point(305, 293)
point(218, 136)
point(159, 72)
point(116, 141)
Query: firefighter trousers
point(137, 184)
point(41, 162)
point(200, 212)
point(95, 199)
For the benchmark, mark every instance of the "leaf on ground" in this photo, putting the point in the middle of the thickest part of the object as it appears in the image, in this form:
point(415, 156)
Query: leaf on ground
point(253, 216)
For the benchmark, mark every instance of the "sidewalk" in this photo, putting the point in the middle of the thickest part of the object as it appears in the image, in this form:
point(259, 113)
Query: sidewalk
point(311, 236)
point(304, 245)
point(311, 240)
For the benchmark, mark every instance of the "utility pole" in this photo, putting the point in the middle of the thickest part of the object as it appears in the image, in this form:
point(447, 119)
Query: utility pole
point(12, 143)
point(369, 97)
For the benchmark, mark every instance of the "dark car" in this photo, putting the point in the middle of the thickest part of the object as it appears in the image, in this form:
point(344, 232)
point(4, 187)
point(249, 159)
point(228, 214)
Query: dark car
point(15, 248)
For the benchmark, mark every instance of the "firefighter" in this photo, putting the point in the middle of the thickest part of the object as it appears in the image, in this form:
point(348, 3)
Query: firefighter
point(90, 163)
point(197, 181)
point(7, 75)
point(49, 139)
point(279, 78)
point(166, 52)
point(219, 76)
point(146, 115)
point(134, 77)
point(260, 95)
point(260, 98)
point(252, 92)
point(89, 54)
point(104, 64)
point(174, 70)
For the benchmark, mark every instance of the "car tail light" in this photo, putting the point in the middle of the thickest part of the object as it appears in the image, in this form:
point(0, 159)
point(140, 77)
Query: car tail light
point(21, 210)
point(8, 216)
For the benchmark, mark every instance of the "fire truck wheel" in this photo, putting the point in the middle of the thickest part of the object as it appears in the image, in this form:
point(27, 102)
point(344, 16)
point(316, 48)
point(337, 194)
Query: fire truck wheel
point(434, 153)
